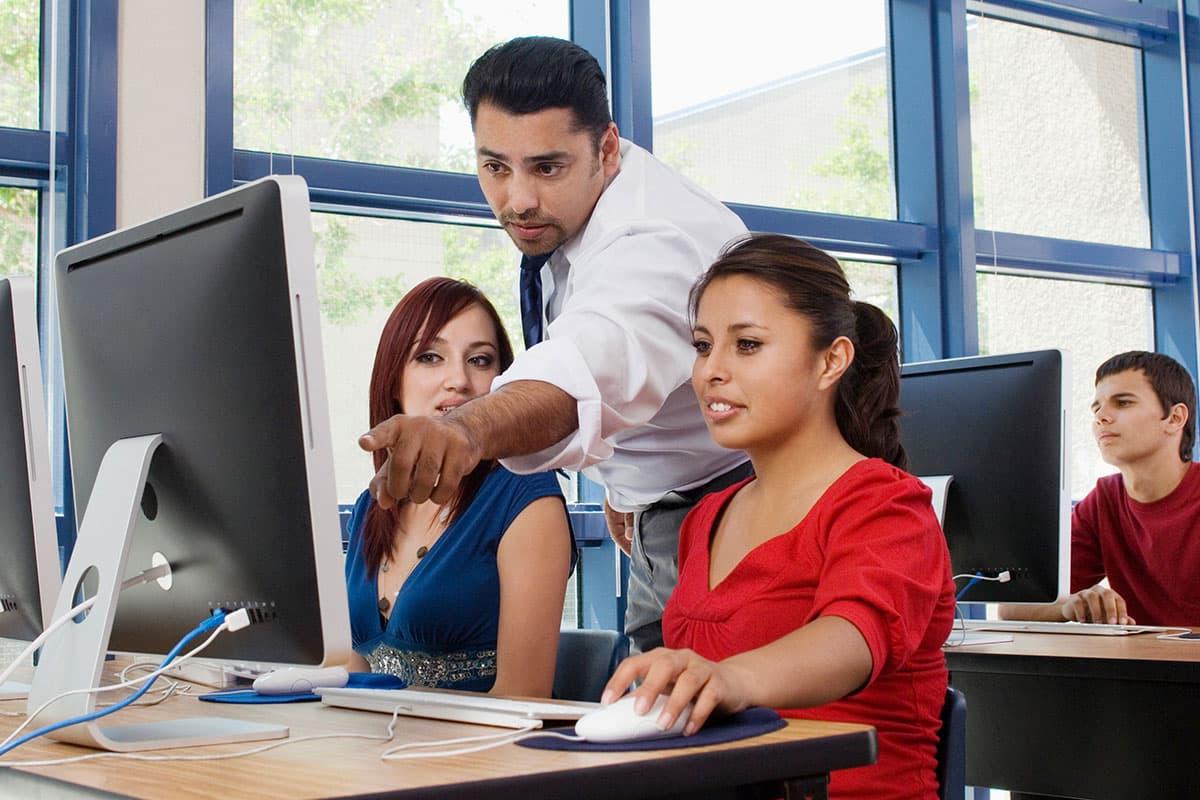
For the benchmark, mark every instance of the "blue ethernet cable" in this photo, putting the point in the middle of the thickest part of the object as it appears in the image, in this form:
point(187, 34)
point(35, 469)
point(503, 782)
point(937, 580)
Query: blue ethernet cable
point(206, 626)
point(976, 578)
point(1004, 576)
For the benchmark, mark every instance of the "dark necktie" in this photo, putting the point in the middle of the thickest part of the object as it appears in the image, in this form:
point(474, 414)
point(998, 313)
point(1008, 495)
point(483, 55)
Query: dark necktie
point(531, 298)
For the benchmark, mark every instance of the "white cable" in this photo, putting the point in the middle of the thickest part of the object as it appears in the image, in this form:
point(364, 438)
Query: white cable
point(955, 627)
point(46, 634)
point(123, 685)
point(387, 736)
point(491, 740)
point(507, 737)
point(1003, 577)
point(206, 757)
point(145, 576)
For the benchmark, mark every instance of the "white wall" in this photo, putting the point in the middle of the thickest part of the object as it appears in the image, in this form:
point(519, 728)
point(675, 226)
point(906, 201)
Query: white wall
point(160, 107)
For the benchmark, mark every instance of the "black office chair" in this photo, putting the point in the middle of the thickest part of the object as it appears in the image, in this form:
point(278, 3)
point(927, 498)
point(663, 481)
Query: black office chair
point(586, 660)
point(952, 747)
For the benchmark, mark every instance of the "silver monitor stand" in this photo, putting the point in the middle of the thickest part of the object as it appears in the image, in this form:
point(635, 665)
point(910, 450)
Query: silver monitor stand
point(73, 658)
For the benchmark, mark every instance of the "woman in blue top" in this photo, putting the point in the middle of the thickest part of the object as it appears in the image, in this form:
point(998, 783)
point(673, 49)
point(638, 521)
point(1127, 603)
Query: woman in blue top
point(467, 595)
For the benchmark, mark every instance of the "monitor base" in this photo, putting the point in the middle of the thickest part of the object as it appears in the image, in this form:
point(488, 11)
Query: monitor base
point(189, 732)
point(14, 691)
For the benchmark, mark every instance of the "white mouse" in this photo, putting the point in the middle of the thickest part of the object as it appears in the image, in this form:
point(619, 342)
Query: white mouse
point(293, 680)
point(618, 722)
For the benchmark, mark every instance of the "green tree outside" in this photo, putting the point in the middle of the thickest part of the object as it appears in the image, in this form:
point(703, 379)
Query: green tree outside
point(19, 21)
point(297, 90)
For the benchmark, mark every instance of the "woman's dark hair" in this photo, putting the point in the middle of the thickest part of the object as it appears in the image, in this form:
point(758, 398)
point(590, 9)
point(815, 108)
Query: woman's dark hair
point(1170, 382)
point(414, 323)
point(534, 73)
point(812, 283)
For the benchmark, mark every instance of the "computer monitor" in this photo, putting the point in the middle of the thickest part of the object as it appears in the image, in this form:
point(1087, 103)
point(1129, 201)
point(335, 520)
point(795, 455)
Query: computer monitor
point(998, 425)
point(29, 564)
point(198, 422)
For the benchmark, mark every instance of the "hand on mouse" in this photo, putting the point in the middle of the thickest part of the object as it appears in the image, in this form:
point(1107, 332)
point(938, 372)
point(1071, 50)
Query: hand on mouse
point(1098, 603)
point(687, 678)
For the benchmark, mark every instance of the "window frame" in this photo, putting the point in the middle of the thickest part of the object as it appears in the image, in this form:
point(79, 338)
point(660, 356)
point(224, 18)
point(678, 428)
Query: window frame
point(80, 179)
point(933, 242)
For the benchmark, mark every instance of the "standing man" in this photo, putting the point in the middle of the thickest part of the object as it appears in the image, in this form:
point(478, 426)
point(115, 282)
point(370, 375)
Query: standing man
point(1140, 528)
point(612, 241)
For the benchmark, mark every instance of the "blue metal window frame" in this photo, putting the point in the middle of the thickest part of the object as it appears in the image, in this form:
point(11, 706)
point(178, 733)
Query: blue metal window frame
point(933, 241)
point(85, 154)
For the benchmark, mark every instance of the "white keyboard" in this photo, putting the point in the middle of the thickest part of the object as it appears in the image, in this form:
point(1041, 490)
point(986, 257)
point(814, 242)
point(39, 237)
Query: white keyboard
point(479, 709)
point(1077, 628)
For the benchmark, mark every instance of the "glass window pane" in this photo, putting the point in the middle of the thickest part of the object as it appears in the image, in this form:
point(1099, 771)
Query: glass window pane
point(875, 284)
point(1020, 313)
point(780, 104)
point(364, 266)
point(1056, 135)
point(19, 22)
point(369, 80)
point(18, 231)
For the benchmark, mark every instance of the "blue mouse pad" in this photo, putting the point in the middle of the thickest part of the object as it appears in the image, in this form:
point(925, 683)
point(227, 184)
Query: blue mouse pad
point(358, 680)
point(742, 725)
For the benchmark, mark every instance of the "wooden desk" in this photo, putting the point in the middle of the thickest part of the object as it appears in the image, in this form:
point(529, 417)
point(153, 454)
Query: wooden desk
point(1081, 716)
point(803, 753)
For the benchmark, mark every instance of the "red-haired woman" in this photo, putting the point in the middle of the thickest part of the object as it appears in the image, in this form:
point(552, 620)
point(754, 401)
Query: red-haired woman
point(466, 595)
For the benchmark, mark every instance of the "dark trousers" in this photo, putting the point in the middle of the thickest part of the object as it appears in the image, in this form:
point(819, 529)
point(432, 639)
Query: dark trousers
point(653, 565)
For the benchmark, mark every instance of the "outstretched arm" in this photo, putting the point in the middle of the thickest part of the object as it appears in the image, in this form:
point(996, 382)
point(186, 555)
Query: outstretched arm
point(429, 456)
point(813, 665)
point(1097, 603)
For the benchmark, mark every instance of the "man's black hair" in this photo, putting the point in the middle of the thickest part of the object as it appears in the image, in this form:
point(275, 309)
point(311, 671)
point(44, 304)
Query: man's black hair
point(534, 73)
point(1170, 382)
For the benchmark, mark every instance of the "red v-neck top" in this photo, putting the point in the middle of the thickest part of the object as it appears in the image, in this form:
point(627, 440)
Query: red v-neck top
point(871, 552)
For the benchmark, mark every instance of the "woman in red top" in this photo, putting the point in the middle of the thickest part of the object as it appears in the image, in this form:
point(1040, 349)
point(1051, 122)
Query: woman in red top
point(821, 587)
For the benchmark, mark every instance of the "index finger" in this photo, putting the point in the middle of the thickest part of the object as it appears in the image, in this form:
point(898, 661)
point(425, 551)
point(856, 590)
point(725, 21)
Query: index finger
point(628, 671)
point(382, 435)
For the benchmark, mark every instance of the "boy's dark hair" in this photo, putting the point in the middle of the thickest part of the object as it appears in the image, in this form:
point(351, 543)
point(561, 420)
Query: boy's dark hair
point(1170, 381)
point(534, 73)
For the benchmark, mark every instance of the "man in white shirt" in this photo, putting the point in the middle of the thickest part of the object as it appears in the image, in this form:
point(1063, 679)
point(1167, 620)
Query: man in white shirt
point(613, 241)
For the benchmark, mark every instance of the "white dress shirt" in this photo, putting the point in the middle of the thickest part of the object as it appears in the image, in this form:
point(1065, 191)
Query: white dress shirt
point(619, 339)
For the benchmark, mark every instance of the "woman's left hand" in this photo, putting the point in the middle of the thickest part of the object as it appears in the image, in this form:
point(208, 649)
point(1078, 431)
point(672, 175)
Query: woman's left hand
point(687, 678)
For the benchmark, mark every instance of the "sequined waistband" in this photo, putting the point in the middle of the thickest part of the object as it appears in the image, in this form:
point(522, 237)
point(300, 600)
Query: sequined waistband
point(434, 670)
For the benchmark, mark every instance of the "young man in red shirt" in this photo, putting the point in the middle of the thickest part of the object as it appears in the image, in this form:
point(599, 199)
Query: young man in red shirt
point(1140, 528)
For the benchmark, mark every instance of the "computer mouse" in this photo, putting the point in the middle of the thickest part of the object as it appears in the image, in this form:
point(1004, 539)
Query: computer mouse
point(294, 680)
point(618, 722)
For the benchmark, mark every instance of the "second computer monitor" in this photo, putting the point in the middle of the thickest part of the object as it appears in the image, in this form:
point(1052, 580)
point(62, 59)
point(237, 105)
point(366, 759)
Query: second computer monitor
point(29, 563)
point(998, 425)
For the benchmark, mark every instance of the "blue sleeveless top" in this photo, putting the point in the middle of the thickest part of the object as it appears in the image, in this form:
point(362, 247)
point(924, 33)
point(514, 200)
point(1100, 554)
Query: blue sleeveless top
point(445, 618)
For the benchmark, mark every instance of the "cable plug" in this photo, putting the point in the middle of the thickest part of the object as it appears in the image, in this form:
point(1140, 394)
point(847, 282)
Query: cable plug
point(1004, 577)
point(236, 620)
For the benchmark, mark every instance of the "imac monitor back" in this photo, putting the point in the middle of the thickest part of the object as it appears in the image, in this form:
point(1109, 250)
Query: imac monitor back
point(29, 563)
point(202, 326)
point(998, 425)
